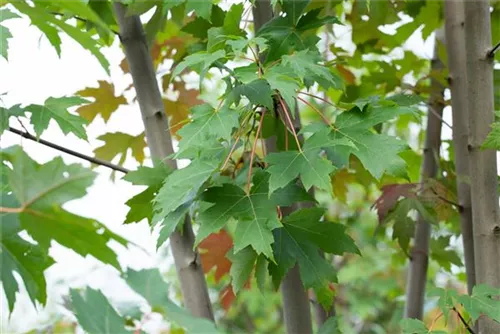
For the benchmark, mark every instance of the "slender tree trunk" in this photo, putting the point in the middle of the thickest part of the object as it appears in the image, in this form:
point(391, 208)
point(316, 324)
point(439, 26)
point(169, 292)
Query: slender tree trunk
point(455, 44)
point(482, 163)
point(417, 274)
point(296, 308)
point(187, 260)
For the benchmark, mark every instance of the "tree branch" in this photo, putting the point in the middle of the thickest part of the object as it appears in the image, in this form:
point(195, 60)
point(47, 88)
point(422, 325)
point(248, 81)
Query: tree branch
point(491, 54)
point(93, 160)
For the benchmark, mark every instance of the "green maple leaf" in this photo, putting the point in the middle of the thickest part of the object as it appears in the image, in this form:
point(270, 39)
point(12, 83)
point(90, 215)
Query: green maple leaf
point(6, 113)
point(305, 64)
point(149, 176)
point(290, 249)
point(25, 258)
point(446, 299)
point(329, 237)
point(201, 8)
point(330, 326)
point(117, 144)
point(141, 205)
point(355, 125)
point(312, 168)
point(95, 314)
point(294, 9)
point(57, 109)
point(258, 92)
point(171, 222)
point(285, 34)
point(149, 284)
point(199, 61)
point(483, 301)
point(182, 186)
point(105, 101)
point(49, 25)
point(239, 45)
point(5, 34)
point(41, 190)
point(281, 79)
point(256, 214)
point(242, 264)
point(493, 139)
point(442, 254)
point(207, 123)
point(415, 326)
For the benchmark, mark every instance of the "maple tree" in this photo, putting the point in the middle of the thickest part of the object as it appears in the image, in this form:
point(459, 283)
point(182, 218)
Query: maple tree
point(291, 145)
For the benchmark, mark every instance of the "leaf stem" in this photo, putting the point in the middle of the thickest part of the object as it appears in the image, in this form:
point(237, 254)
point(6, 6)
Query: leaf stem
point(11, 210)
point(257, 134)
point(230, 153)
point(319, 98)
point(93, 160)
point(323, 117)
point(288, 118)
point(463, 321)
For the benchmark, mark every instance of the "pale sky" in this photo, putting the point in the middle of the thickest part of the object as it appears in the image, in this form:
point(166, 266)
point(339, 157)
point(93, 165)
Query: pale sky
point(34, 73)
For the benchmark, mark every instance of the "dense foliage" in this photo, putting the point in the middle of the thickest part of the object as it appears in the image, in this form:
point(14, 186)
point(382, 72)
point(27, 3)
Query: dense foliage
point(292, 117)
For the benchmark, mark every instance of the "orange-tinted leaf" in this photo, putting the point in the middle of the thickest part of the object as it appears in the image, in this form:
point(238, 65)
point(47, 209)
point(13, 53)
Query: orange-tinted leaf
point(213, 253)
point(178, 111)
point(178, 114)
point(391, 193)
point(227, 297)
point(105, 101)
point(346, 74)
point(340, 181)
point(441, 198)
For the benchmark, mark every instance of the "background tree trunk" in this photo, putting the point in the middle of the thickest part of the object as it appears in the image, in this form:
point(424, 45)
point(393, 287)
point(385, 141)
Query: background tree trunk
point(417, 274)
point(482, 163)
point(296, 306)
point(455, 45)
point(187, 260)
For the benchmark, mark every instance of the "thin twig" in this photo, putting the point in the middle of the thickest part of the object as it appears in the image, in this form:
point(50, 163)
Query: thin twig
point(253, 150)
point(76, 17)
point(463, 321)
point(93, 160)
point(491, 54)
point(287, 115)
point(439, 117)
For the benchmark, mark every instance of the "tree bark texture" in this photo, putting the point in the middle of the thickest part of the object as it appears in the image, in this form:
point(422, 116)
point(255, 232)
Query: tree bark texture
point(296, 308)
point(187, 260)
point(455, 45)
point(482, 163)
point(417, 274)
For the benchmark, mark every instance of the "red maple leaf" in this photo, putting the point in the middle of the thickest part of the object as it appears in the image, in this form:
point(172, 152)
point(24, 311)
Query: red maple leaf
point(213, 253)
point(391, 193)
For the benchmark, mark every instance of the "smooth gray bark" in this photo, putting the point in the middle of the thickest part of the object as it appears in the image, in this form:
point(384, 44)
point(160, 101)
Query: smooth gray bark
point(187, 260)
point(296, 308)
point(455, 45)
point(417, 274)
point(482, 163)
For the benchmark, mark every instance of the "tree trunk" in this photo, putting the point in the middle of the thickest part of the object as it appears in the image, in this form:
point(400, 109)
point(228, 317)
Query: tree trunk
point(482, 163)
point(417, 274)
point(187, 260)
point(455, 45)
point(296, 308)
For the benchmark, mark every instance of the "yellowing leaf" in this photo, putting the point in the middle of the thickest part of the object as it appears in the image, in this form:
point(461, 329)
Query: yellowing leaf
point(105, 101)
point(340, 181)
point(118, 144)
point(177, 113)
